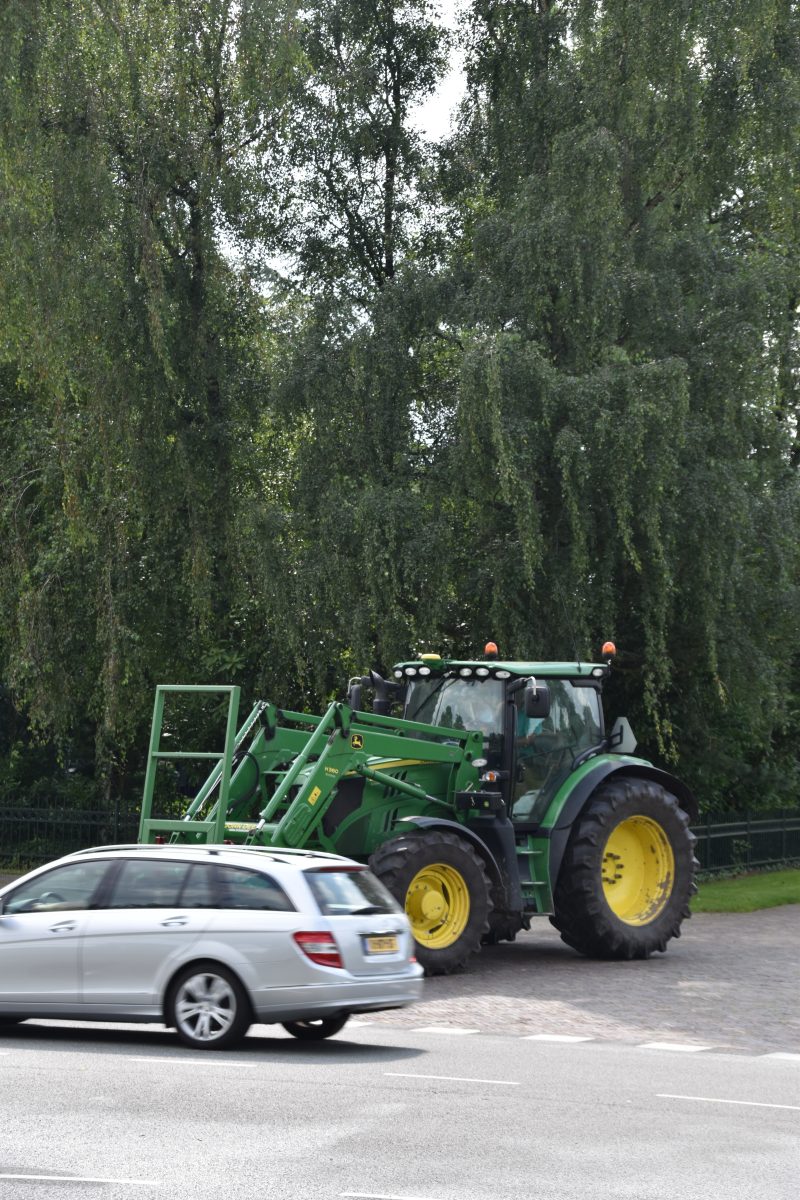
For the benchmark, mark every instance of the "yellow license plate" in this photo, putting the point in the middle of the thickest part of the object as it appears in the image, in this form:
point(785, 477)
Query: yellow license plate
point(381, 945)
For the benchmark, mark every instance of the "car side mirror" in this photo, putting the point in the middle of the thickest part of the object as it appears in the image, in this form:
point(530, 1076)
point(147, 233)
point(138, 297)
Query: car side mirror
point(537, 699)
point(622, 739)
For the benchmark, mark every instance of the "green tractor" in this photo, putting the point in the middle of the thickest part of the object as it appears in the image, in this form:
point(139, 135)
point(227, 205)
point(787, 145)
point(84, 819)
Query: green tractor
point(497, 796)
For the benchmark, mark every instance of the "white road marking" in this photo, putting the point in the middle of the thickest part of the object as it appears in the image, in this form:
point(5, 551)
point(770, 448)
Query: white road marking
point(449, 1078)
point(380, 1196)
point(353, 1024)
point(786, 1057)
point(716, 1100)
point(85, 1179)
point(443, 1029)
point(554, 1037)
point(682, 1046)
point(176, 1060)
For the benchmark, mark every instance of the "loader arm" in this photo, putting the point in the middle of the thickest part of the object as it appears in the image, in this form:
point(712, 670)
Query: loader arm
point(278, 790)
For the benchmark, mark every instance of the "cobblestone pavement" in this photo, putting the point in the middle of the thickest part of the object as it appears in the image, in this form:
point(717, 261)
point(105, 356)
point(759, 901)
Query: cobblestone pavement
point(732, 981)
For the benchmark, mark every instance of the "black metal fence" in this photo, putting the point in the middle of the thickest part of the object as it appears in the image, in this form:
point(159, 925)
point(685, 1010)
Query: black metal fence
point(29, 836)
point(746, 842)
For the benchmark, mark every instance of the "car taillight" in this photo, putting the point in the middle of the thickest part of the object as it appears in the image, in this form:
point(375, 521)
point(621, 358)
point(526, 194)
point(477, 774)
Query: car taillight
point(320, 948)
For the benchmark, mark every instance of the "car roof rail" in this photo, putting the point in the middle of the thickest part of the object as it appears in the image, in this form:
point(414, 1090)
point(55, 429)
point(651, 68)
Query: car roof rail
point(285, 852)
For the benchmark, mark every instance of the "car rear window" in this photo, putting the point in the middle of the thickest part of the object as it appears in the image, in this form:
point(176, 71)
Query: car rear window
point(342, 892)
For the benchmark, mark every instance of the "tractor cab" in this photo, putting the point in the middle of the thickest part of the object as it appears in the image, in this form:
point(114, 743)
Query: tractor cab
point(538, 720)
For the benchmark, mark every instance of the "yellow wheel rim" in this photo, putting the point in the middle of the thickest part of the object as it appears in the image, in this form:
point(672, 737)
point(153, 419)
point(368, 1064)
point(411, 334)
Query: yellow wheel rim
point(437, 905)
point(638, 870)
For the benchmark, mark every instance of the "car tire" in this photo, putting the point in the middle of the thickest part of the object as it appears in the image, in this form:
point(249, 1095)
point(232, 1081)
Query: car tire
point(316, 1030)
point(441, 881)
point(628, 872)
point(208, 1007)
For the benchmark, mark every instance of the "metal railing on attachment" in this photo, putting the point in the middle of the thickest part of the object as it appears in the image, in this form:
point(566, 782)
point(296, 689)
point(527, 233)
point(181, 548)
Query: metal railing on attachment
point(213, 828)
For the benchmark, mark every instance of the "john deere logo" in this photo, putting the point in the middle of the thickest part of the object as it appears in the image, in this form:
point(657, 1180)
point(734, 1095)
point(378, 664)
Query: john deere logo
point(357, 741)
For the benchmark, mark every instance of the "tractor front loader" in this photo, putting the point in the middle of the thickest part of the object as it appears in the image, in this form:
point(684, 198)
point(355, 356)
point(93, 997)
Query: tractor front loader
point(498, 795)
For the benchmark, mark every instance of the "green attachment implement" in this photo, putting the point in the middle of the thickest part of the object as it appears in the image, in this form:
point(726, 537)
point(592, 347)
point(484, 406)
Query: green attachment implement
point(212, 830)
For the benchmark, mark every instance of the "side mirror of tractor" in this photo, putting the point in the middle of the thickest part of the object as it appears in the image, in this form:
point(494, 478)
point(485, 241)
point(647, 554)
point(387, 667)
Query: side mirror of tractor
point(622, 739)
point(354, 693)
point(537, 699)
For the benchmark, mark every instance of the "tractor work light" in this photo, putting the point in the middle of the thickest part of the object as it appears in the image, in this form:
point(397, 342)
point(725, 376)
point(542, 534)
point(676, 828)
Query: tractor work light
point(424, 671)
point(502, 674)
point(411, 671)
point(482, 672)
point(398, 674)
point(598, 671)
point(465, 672)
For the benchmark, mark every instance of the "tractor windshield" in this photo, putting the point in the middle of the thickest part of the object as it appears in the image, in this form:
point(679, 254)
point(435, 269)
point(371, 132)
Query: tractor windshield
point(457, 703)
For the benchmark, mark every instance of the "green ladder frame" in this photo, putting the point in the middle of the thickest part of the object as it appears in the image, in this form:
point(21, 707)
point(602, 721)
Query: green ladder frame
point(207, 831)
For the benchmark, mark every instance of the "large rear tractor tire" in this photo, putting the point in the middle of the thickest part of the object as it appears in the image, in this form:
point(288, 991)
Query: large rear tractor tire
point(441, 882)
point(627, 874)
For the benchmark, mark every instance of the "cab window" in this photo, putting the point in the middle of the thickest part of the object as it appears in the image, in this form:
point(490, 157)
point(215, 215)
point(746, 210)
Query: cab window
point(546, 747)
point(473, 704)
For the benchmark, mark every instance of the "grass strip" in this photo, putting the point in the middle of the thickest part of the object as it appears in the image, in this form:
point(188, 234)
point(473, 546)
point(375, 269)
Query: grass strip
point(747, 893)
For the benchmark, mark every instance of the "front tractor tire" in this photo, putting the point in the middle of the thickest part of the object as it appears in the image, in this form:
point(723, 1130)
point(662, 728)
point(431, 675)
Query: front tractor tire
point(441, 881)
point(627, 874)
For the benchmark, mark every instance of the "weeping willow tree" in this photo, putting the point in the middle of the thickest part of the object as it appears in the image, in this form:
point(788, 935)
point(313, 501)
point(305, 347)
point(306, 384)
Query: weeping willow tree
point(137, 142)
point(626, 181)
point(179, 431)
point(340, 509)
point(540, 387)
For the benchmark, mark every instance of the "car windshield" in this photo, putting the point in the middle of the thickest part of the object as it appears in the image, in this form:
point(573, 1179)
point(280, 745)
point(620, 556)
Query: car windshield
point(457, 703)
point(341, 892)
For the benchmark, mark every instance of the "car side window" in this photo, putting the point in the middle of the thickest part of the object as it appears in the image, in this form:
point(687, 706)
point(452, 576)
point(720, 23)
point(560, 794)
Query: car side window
point(252, 889)
point(198, 889)
point(148, 884)
point(64, 888)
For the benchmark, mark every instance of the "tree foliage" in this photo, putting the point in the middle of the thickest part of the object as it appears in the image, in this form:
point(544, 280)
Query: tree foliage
point(286, 392)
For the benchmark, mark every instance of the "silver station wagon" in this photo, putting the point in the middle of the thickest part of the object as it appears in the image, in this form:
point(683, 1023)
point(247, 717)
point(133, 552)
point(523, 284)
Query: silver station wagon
point(206, 940)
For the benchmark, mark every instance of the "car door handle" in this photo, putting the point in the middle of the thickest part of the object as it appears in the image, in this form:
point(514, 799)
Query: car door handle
point(171, 922)
point(64, 927)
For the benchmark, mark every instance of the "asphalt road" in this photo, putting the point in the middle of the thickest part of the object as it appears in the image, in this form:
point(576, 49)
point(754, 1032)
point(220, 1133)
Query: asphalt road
point(470, 1095)
point(389, 1114)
